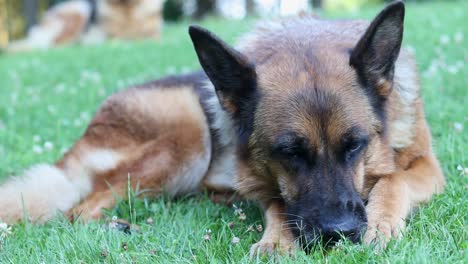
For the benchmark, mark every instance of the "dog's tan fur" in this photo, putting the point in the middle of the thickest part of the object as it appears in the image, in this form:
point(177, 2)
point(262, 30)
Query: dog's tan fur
point(166, 155)
point(135, 19)
point(160, 137)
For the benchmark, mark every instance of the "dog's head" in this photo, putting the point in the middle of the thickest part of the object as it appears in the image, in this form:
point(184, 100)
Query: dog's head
point(311, 115)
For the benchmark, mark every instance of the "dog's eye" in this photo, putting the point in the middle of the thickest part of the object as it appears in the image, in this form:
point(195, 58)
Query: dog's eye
point(295, 154)
point(289, 146)
point(354, 146)
point(290, 152)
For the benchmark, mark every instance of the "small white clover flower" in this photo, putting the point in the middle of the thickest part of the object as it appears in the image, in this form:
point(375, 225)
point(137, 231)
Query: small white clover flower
point(463, 171)
point(5, 230)
point(37, 149)
point(113, 224)
point(36, 138)
point(171, 70)
point(452, 69)
point(206, 237)
point(52, 109)
point(242, 216)
point(77, 122)
point(60, 88)
point(458, 127)
point(185, 69)
point(237, 210)
point(101, 92)
point(235, 240)
point(458, 37)
point(444, 39)
point(48, 145)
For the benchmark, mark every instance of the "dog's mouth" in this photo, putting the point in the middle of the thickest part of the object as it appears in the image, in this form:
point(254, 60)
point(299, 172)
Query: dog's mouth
point(310, 236)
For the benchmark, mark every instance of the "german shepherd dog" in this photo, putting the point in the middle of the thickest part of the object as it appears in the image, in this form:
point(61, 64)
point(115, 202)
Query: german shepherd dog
point(321, 122)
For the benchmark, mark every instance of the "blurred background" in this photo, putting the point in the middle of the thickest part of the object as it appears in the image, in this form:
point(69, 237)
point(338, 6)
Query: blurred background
point(18, 16)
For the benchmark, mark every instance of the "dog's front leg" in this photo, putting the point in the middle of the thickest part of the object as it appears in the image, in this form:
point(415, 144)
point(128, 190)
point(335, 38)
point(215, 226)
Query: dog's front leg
point(393, 197)
point(276, 237)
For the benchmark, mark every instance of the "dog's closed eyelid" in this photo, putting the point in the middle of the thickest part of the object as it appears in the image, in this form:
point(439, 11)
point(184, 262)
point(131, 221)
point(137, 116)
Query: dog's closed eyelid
point(286, 151)
point(354, 136)
point(289, 144)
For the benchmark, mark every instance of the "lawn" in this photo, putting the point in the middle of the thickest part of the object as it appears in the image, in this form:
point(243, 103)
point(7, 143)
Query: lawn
point(47, 98)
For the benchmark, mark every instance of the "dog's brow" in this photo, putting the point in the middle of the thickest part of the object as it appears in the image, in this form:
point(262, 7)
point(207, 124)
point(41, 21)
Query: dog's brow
point(355, 131)
point(287, 139)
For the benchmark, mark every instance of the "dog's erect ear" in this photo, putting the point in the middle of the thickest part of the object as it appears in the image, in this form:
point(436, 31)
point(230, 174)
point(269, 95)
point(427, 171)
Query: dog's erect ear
point(231, 73)
point(375, 54)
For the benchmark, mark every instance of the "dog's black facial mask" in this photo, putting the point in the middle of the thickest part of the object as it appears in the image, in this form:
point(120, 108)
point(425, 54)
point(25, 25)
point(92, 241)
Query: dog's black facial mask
point(326, 205)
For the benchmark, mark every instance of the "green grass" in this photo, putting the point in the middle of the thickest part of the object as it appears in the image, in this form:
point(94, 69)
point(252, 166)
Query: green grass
point(50, 96)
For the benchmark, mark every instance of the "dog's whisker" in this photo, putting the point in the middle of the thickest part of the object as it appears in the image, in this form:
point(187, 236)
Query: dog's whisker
point(291, 221)
point(289, 225)
point(289, 214)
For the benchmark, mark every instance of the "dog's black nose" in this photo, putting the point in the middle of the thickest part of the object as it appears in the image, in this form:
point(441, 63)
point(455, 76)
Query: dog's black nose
point(347, 220)
point(345, 227)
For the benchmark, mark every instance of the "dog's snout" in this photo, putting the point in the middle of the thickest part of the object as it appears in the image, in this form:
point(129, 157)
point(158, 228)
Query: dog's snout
point(347, 226)
point(334, 218)
point(348, 219)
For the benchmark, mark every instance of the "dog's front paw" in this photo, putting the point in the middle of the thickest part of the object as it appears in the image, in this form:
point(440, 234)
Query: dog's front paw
point(379, 232)
point(270, 247)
